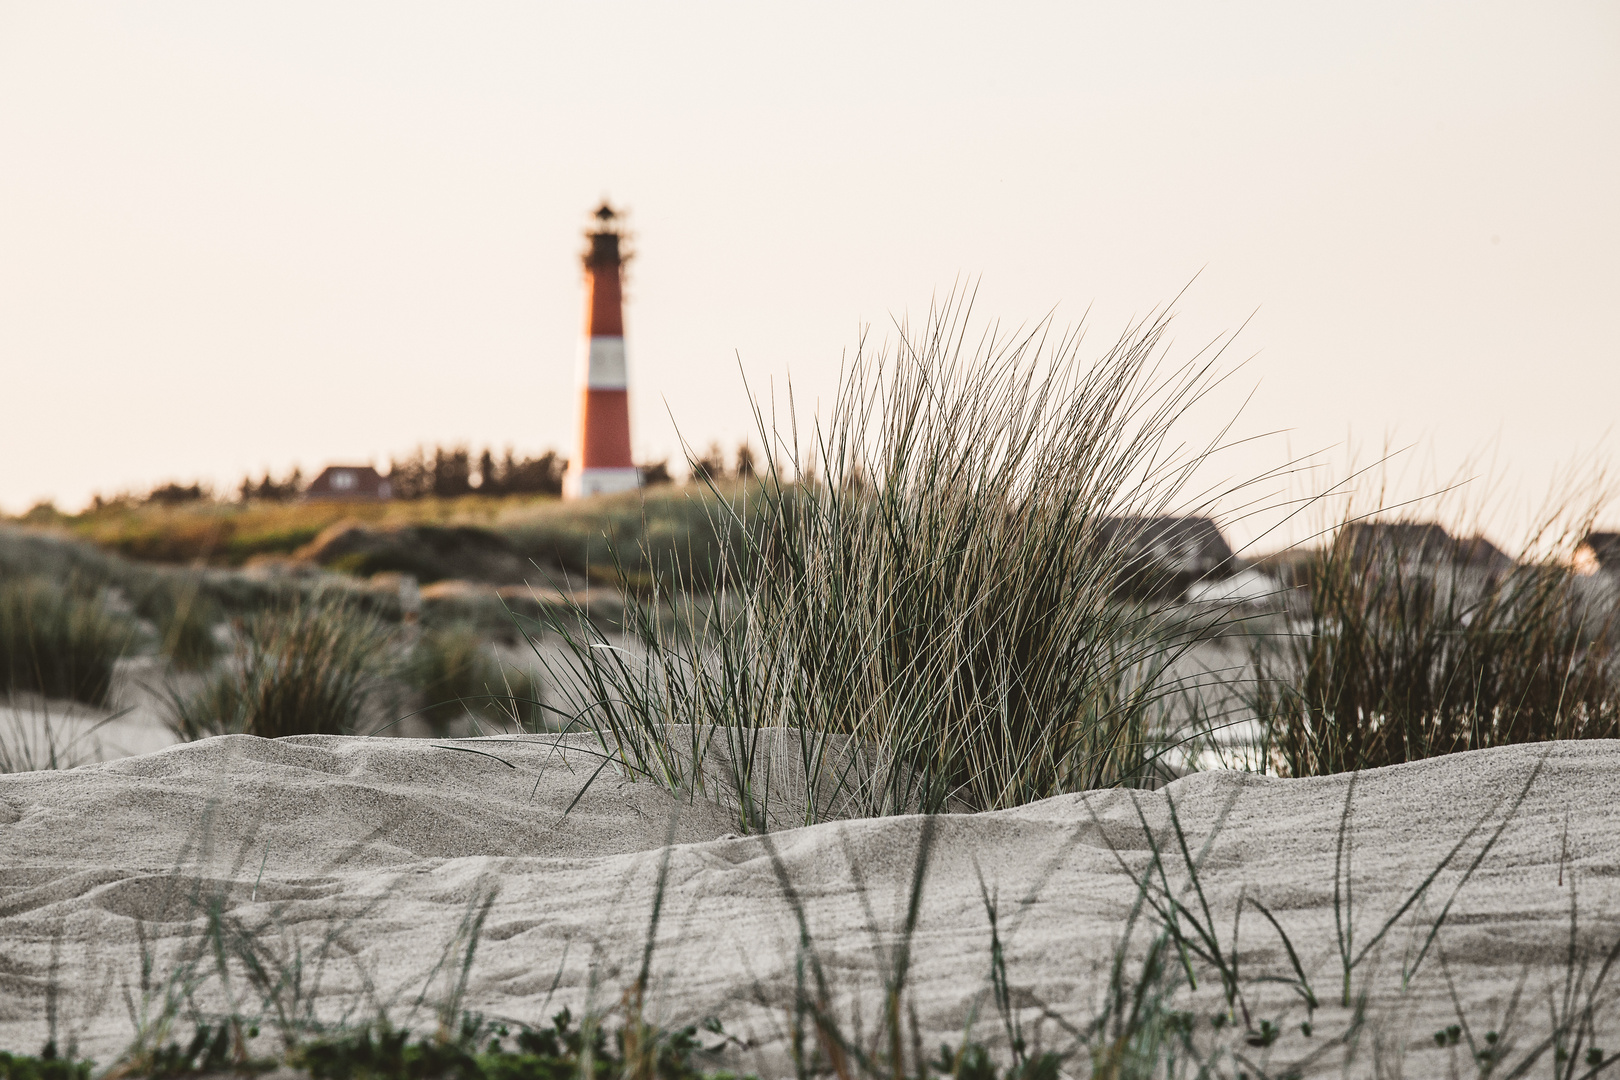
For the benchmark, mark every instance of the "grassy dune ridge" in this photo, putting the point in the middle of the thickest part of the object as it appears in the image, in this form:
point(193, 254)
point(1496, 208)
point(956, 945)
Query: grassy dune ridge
point(230, 533)
point(661, 526)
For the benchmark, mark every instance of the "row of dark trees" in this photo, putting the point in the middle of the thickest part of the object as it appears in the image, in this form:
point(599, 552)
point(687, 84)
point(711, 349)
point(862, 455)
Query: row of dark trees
point(446, 472)
point(169, 494)
point(272, 490)
point(452, 471)
point(711, 464)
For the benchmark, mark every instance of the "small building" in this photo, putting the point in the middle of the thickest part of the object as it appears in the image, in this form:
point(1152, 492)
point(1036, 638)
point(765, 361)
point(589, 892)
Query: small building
point(1182, 545)
point(1403, 541)
point(1161, 557)
point(1480, 553)
point(1422, 542)
point(349, 482)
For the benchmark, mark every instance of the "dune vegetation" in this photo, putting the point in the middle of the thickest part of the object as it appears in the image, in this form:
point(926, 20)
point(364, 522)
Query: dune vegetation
point(927, 578)
point(643, 535)
point(305, 668)
point(932, 575)
point(229, 533)
point(922, 605)
point(1394, 661)
point(57, 643)
point(458, 677)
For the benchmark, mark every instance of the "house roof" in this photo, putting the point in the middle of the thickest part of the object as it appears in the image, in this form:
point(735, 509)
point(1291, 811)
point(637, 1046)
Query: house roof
point(1192, 544)
point(349, 481)
point(1420, 541)
point(1423, 541)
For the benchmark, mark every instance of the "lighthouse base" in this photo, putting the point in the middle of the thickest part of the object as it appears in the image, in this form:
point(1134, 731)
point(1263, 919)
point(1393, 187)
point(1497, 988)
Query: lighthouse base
point(583, 483)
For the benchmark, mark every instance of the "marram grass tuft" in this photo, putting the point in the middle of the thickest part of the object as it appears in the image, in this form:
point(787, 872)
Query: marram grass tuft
point(926, 591)
point(58, 643)
point(307, 667)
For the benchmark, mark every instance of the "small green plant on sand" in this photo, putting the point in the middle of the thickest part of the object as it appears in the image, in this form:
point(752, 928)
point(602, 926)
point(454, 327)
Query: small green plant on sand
point(58, 643)
point(485, 1050)
point(1400, 658)
point(306, 667)
point(458, 677)
point(49, 1064)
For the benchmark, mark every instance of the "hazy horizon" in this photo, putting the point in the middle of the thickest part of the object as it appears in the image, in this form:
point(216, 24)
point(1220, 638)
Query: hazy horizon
point(241, 238)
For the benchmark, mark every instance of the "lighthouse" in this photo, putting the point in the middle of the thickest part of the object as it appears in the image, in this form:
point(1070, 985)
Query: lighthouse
point(602, 463)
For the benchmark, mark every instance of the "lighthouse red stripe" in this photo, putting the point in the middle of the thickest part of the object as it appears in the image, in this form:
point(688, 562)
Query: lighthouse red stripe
point(604, 313)
point(604, 438)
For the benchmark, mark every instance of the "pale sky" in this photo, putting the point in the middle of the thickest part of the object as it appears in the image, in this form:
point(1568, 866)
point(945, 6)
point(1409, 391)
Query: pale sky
point(237, 236)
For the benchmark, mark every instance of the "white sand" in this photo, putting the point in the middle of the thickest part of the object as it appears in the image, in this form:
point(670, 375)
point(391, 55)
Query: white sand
point(385, 843)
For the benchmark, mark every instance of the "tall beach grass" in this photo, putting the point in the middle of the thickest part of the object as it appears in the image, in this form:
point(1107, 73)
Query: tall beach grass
point(1402, 650)
point(306, 667)
point(924, 590)
point(458, 677)
point(58, 643)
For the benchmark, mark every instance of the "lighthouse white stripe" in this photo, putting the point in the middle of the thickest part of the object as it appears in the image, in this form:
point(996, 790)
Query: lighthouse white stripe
point(586, 482)
point(601, 363)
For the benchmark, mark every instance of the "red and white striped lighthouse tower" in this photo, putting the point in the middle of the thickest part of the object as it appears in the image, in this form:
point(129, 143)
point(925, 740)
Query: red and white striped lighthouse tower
point(602, 464)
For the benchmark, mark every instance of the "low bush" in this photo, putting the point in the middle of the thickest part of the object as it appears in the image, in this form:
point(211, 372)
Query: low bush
point(231, 533)
point(57, 643)
point(185, 617)
point(659, 538)
point(307, 667)
point(57, 556)
point(479, 1051)
point(459, 677)
point(1399, 658)
point(48, 1065)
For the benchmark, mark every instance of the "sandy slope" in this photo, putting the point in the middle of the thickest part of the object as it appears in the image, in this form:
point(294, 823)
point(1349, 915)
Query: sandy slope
point(383, 845)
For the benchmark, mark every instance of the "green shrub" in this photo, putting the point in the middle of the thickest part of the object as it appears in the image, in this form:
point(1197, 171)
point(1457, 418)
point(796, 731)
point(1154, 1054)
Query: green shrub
point(480, 1052)
point(659, 537)
point(49, 1065)
point(185, 618)
point(304, 668)
point(56, 643)
point(1400, 659)
point(457, 676)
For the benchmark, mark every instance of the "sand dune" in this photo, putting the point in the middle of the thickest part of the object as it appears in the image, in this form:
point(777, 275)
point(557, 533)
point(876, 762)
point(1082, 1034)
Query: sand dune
point(385, 845)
